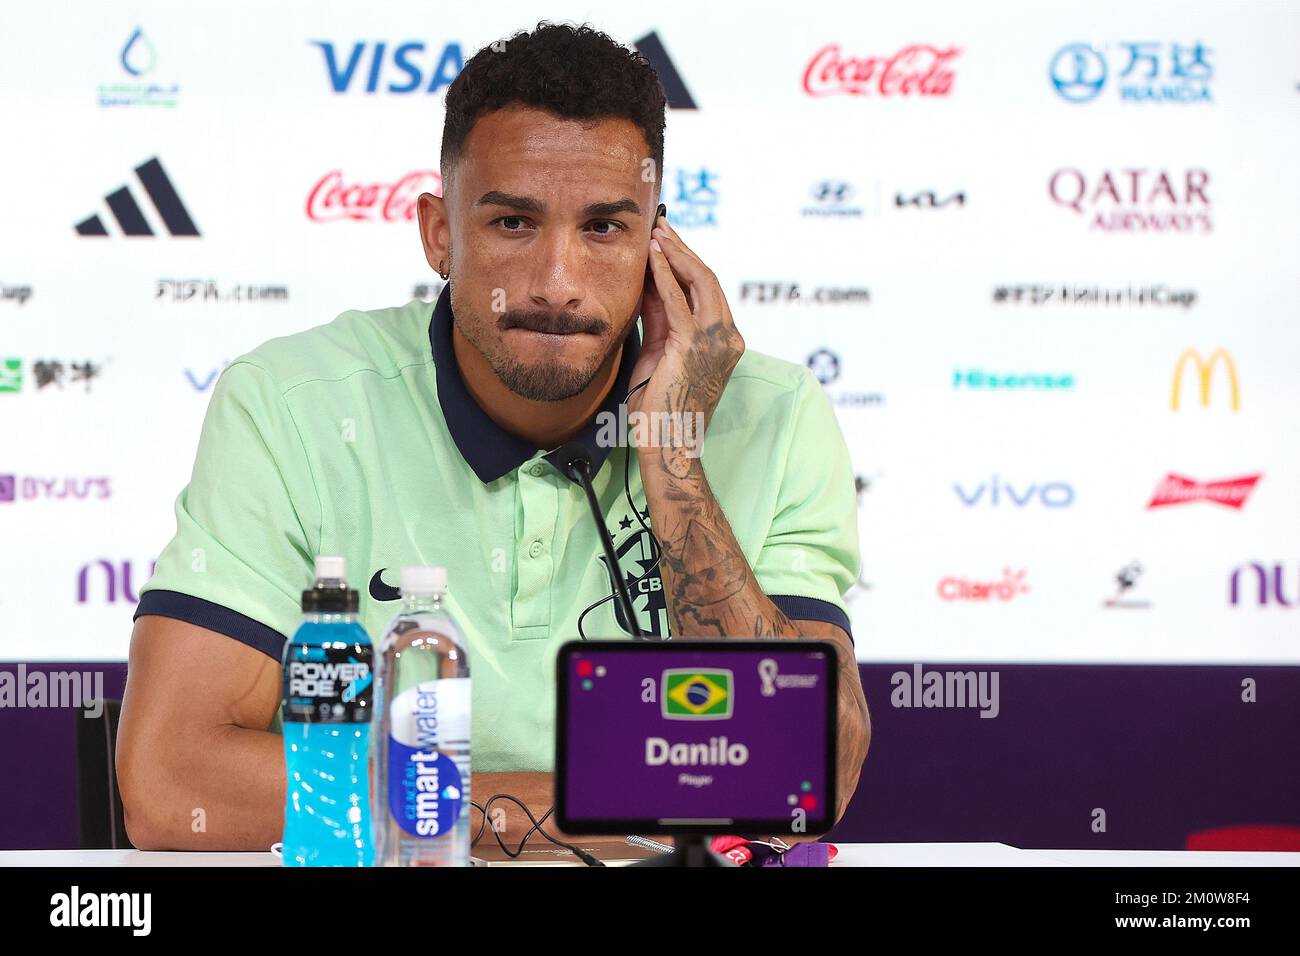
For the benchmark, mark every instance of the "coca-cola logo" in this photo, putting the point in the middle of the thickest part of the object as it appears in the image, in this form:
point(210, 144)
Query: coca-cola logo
point(333, 199)
point(919, 69)
point(1135, 199)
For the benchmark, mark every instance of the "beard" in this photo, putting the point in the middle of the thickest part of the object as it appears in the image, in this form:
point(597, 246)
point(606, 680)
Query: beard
point(540, 379)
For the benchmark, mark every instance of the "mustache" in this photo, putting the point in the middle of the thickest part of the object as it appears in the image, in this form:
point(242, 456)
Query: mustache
point(564, 323)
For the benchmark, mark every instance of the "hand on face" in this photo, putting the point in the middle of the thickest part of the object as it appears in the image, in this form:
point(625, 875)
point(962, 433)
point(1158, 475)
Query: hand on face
point(691, 342)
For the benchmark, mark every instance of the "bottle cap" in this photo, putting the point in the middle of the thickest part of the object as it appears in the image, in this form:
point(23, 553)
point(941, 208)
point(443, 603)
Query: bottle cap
point(423, 579)
point(336, 598)
point(331, 566)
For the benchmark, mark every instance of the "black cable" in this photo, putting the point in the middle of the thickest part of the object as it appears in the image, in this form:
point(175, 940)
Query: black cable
point(581, 854)
point(655, 548)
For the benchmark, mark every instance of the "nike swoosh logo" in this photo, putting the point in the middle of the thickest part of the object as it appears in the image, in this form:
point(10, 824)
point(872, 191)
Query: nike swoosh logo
point(381, 591)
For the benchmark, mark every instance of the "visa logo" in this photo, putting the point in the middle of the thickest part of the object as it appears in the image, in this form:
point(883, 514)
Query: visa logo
point(407, 66)
point(1052, 494)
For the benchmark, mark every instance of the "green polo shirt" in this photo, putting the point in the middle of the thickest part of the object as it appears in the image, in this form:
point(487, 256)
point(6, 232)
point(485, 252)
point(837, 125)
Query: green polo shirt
point(359, 438)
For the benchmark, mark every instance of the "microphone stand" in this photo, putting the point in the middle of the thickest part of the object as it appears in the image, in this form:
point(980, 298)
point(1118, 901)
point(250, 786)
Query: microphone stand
point(578, 469)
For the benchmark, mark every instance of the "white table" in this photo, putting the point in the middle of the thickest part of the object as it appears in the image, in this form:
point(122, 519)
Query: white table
point(851, 854)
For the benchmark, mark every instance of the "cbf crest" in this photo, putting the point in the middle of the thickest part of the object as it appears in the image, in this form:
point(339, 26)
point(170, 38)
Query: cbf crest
point(636, 551)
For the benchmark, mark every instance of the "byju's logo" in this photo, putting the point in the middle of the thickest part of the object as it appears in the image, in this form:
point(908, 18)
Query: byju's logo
point(1151, 72)
point(128, 214)
point(372, 68)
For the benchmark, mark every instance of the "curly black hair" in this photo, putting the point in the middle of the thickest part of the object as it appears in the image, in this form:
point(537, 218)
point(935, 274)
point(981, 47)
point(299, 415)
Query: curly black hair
point(573, 72)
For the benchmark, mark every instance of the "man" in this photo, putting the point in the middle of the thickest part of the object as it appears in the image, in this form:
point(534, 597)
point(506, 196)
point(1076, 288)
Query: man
point(419, 436)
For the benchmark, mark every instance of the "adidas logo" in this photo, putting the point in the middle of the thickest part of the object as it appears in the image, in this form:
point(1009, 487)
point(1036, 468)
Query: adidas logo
point(652, 48)
point(130, 219)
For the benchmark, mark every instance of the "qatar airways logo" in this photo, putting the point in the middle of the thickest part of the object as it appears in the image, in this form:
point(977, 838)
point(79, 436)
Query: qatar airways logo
point(916, 70)
point(334, 198)
point(1179, 490)
point(1136, 200)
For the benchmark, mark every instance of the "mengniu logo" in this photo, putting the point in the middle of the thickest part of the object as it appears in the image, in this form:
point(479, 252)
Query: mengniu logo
point(1269, 585)
point(689, 694)
point(128, 214)
point(1179, 490)
point(1205, 373)
point(1136, 199)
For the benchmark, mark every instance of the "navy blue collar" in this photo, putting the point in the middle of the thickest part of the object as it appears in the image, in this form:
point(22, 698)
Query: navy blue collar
point(487, 447)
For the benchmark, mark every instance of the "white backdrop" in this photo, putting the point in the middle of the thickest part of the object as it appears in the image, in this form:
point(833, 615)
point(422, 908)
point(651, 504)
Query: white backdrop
point(236, 102)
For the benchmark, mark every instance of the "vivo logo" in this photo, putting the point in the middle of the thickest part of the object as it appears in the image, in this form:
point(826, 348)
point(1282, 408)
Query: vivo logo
point(1268, 583)
point(408, 66)
point(1051, 494)
point(112, 577)
point(203, 380)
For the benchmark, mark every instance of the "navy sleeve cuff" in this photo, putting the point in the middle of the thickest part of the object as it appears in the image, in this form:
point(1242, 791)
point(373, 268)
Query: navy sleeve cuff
point(215, 617)
point(812, 609)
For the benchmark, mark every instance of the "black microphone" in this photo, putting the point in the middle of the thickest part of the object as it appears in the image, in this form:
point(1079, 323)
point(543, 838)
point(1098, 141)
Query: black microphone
point(575, 462)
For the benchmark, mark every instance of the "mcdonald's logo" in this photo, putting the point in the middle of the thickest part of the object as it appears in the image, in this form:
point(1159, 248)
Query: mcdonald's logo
point(1205, 373)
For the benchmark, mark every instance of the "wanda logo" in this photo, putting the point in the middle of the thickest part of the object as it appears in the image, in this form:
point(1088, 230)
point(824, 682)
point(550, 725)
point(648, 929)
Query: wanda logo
point(333, 199)
point(919, 69)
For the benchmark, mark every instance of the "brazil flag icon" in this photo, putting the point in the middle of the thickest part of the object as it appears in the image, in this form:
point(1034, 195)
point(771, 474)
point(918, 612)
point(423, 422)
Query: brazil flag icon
point(696, 694)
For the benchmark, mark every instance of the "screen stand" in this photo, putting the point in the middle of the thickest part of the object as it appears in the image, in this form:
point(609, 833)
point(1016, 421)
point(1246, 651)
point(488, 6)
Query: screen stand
point(688, 850)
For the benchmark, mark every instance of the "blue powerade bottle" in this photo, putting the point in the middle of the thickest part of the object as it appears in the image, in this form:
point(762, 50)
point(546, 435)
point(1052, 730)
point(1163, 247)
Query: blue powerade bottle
point(328, 671)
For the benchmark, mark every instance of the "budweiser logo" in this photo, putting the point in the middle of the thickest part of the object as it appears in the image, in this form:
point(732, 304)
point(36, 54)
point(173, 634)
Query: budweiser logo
point(1178, 490)
point(333, 199)
point(918, 69)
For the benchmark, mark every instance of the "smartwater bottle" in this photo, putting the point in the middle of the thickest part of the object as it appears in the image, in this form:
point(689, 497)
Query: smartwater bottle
point(420, 789)
point(326, 705)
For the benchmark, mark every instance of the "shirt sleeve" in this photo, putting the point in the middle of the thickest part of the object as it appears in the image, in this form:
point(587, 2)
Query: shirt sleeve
point(248, 522)
point(810, 557)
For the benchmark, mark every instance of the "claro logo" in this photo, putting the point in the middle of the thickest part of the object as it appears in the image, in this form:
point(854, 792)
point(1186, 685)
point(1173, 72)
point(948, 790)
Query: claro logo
point(1205, 374)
